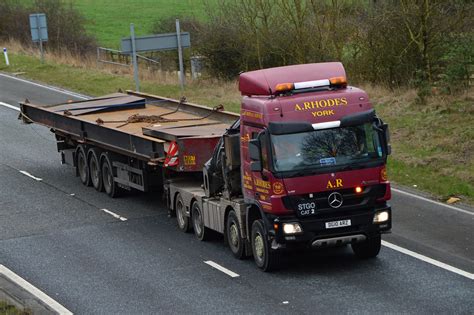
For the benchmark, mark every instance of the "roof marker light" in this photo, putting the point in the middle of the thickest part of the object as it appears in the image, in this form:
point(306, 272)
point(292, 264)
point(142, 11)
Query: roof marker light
point(339, 81)
point(311, 84)
point(326, 125)
point(284, 87)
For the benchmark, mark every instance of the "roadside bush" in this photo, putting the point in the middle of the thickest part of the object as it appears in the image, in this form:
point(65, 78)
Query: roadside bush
point(65, 25)
point(393, 43)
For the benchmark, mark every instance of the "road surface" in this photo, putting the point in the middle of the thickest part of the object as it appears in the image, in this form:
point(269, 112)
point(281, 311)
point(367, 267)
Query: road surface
point(132, 259)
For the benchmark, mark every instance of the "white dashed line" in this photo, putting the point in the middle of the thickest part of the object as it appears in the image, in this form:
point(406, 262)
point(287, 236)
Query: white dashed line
point(55, 306)
point(432, 201)
point(114, 215)
point(10, 106)
point(429, 260)
point(30, 176)
point(51, 88)
point(223, 269)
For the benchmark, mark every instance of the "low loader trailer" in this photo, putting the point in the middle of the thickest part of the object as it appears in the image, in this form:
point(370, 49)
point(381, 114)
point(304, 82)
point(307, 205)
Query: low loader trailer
point(302, 166)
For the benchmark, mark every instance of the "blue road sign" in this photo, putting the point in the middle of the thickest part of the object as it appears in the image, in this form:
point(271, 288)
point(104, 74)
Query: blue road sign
point(159, 42)
point(39, 29)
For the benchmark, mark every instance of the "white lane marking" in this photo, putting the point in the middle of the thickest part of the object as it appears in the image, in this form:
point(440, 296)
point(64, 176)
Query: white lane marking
point(223, 269)
point(31, 176)
point(115, 215)
point(55, 306)
point(432, 201)
point(429, 260)
point(10, 106)
point(51, 88)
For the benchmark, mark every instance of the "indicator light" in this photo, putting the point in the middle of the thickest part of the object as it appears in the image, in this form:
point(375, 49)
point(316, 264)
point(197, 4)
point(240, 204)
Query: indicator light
point(358, 190)
point(383, 174)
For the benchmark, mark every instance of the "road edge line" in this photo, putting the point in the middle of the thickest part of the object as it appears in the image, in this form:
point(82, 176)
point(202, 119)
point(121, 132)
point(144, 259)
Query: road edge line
point(49, 87)
point(10, 106)
point(432, 201)
point(43, 297)
point(222, 269)
point(429, 260)
point(115, 215)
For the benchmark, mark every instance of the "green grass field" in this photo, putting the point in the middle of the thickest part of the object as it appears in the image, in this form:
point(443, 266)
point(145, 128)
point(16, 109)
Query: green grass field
point(109, 20)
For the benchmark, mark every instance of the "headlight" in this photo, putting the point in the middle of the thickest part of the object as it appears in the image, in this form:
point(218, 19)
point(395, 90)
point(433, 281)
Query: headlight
point(292, 228)
point(381, 216)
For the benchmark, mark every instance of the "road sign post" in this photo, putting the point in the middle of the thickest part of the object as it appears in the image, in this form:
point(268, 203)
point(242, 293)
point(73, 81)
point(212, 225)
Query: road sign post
point(134, 57)
point(158, 42)
point(180, 55)
point(39, 30)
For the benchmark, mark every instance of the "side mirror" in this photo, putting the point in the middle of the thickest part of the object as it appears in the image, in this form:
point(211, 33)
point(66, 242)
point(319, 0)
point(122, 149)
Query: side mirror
point(255, 155)
point(386, 133)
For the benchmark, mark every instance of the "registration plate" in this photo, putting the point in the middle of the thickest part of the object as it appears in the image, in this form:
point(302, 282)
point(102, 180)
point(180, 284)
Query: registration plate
point(336, 224)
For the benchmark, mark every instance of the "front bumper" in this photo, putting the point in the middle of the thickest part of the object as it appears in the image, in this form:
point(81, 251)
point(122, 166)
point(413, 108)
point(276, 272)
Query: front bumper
point(315, 233)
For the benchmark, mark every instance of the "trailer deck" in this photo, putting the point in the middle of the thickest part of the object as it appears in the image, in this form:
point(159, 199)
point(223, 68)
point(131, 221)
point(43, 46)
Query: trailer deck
point(139, 125)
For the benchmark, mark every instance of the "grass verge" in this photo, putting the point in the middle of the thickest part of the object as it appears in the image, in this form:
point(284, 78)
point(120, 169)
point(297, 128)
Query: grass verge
point(7, 309)
point(433, 144)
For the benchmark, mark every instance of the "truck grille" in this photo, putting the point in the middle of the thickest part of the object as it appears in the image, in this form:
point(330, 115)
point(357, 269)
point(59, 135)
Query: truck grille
point(351, 201)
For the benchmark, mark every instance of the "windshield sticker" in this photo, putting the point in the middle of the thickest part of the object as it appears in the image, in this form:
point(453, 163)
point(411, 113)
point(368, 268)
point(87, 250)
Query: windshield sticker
point(328, 161)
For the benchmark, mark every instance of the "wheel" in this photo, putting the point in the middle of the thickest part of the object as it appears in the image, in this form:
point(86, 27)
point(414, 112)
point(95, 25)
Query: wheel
point(202, 233)
point(234, 237)
point(181, 217)
point(95, 171)
point(265, 258)
point(110, 186)
point(369, 248)
point(83, 167)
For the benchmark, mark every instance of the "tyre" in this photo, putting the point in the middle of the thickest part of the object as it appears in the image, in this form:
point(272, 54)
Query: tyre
point(369, 248)
point(181, 218)
point(234, 237)
point(83, 166)
point(95, 171)
point(201, 232)
point(110, 186)
point(265, 258)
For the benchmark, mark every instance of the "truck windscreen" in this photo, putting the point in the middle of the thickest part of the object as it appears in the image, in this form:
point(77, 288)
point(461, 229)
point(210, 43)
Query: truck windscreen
point(329, 147)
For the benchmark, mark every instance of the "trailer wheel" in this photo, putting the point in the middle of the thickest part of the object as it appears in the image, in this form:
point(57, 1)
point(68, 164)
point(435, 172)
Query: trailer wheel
point(369, 248)
point(181, 217)
point(95, 171)
point(201, 232)
point(234, 237)
point(83, 167)
point(265, 258)
point(110, 186)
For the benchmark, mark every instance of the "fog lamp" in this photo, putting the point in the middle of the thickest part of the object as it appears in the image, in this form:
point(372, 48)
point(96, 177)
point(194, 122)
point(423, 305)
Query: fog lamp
point(381, 216)
point(292, 228)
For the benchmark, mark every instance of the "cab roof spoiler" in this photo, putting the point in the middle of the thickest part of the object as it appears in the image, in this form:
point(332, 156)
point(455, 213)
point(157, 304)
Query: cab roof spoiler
point(264, 82)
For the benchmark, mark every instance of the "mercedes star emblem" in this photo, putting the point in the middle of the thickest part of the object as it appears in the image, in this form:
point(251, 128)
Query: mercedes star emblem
point(335, 200)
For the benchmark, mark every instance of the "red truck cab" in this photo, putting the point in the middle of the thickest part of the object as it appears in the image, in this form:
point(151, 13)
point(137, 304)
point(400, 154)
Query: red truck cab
point(313, 161)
